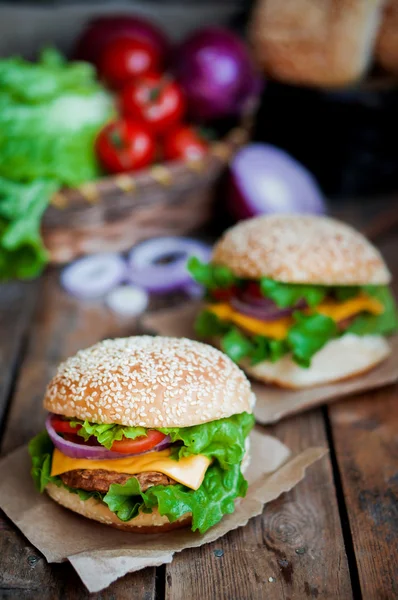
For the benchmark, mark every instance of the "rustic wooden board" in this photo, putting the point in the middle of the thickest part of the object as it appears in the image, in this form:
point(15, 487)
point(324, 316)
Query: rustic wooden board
point(16, 304)
point(61, 325)
point(294, 550)
point(364, 430)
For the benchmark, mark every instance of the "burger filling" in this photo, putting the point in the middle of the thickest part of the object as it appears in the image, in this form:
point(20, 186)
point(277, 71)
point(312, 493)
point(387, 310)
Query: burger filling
point(266, 319)
point(194, 470)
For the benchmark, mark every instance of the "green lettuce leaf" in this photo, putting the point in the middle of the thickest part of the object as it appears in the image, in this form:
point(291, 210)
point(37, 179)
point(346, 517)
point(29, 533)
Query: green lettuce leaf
point(308, 335)
point(22, 253)
point(236, 345)
point(209, 275)
point(207, 324)
point(107, 434)
point(222, 440)
point(383, 324)
point(286, 294)
point(40, 450)
point(208, 504)
point(44, 80)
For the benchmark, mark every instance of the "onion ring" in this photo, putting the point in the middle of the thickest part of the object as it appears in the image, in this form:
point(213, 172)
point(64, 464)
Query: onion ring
point(93, 276)
point(147, 270)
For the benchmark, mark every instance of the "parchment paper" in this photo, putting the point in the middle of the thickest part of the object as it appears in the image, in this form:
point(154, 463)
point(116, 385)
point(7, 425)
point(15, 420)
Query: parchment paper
point(100, 554)
point(275, 403)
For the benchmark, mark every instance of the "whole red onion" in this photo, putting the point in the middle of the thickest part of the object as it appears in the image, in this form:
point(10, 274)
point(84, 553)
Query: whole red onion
point(217, 74)
point(102, 30)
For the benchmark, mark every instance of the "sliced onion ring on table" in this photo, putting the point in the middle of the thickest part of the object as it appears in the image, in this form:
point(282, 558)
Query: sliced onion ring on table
point(93, 276)
point(74, 450)
point(159, 265)
point(127, 300)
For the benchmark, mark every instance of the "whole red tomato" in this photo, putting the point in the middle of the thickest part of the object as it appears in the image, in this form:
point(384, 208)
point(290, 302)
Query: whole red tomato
point(124, 58)
point(184, 142)
point(125, 145)
point(156, 99)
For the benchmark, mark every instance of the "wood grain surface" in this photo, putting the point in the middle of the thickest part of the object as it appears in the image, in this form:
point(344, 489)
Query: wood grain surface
point(294, 550)
point(365, 437)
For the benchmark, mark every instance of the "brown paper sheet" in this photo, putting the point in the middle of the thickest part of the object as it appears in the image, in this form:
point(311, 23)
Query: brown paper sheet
point(274, 403)
point(101, 554)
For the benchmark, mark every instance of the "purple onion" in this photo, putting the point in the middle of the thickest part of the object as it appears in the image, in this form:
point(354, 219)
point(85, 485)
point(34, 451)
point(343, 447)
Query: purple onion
point(266, 180)
point(215, 70)
point(268, 312)
point(159, 265)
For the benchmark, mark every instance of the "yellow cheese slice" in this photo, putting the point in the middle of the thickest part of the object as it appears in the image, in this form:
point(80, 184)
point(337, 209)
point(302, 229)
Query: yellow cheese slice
point(273, 329)
point(339, 311)
point(277, 330)
point(189, 470)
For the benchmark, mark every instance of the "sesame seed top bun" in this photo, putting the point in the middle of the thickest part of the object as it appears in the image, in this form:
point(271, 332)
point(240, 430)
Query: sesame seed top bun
point(150, 382)
point(301, 249)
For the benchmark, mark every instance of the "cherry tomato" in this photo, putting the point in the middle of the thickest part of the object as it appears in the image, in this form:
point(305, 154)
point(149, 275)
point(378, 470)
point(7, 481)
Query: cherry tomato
point(125, 145)
point(184, 142)
point(124, 58)
point(62, 426)
point(155, 99)
point(140, 444)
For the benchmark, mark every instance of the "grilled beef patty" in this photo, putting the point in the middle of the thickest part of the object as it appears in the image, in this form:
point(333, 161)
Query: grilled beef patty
point(99, 480)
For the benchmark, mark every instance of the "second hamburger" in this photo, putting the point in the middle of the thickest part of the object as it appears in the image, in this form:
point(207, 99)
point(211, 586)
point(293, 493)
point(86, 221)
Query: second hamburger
point(297, 300)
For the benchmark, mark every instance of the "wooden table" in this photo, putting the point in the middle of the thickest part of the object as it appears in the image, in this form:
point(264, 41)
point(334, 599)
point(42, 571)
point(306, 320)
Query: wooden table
point(333, 536)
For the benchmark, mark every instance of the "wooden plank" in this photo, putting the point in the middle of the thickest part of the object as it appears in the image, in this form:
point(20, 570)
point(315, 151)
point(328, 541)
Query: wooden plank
point(16, 304)
point(25, 575)
point(294, 550)
point(364, 430)
point(61, 326)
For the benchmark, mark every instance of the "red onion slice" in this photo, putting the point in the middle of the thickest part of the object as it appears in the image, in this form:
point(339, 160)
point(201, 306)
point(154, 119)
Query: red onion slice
point(263, 313)
point(159, 265)
point(267, 310)
point(74, 450)
point(93, 276)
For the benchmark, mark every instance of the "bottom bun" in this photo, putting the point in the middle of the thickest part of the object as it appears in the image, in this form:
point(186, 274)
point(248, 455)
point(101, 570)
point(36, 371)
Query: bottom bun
point(143, 523)
point(342, 358)
point(98, 511)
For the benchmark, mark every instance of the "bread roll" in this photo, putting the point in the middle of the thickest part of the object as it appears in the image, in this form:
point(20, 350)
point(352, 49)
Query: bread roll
point(315, 42)
point(387, 41)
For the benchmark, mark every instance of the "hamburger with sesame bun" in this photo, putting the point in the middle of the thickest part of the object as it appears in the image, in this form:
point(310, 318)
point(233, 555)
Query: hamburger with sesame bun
point(146, 434)
point(297, 301)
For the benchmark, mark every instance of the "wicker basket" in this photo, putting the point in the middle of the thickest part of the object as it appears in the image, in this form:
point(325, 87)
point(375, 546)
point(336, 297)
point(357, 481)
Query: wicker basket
point(114, 213)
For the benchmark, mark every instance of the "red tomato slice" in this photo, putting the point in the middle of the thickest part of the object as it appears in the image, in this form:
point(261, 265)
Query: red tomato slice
point(140, 444)
point(62, 426)
point(253, 289)
point(223, 295)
